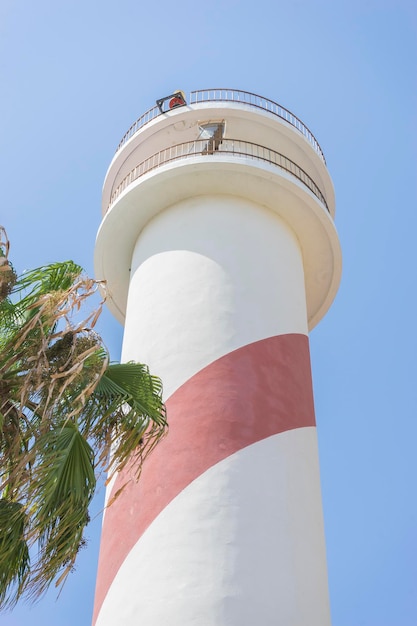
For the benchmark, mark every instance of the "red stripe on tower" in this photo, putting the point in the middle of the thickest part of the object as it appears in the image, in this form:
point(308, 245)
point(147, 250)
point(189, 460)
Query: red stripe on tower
point(252, 393)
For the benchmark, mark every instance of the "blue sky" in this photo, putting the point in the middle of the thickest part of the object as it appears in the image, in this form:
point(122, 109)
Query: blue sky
point(75, 75)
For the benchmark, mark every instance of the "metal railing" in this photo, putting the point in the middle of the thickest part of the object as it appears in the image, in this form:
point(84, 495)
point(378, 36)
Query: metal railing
point(230, 95)
point(140, 122)
point(252, 99)
point(204, 147)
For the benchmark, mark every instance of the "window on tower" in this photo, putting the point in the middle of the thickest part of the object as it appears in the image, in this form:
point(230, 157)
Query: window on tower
point(214, 133)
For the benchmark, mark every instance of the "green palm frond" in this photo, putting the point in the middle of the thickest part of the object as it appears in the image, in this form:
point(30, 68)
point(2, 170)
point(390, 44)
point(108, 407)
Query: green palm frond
point(131, 417)
point(46, 279)
point(61, 490)
point(132, 383)
point(14, 551)
point(65, 469)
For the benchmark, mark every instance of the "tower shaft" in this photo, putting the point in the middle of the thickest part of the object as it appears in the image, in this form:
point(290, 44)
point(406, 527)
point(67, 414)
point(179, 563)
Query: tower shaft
point(225, 526)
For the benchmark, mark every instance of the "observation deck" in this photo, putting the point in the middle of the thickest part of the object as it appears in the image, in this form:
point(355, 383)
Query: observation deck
point(220, 142)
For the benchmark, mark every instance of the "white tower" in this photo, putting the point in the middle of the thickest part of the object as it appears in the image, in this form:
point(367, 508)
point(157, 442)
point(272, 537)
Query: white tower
point(220, 253)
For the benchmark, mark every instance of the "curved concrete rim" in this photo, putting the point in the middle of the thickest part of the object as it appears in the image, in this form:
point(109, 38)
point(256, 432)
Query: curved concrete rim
point(261, 183)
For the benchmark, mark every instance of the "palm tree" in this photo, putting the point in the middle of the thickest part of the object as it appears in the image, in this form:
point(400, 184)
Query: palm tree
point(66, 414)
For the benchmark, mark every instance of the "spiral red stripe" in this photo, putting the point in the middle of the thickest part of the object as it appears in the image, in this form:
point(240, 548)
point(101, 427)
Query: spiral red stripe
point(252, 393)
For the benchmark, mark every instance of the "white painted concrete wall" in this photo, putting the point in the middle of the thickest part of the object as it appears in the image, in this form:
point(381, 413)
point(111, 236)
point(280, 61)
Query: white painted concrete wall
point(242, 545)
point(210, 275)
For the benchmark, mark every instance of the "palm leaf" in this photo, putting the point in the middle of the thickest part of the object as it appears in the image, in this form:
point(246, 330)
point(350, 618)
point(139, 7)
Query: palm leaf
point(14, 551)
point(46, 279)
point(62, 487)
point(126, 416)
point(132, 383)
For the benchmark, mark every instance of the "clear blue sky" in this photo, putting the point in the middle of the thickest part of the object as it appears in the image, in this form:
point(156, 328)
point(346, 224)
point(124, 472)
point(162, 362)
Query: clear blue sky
point(75, 74)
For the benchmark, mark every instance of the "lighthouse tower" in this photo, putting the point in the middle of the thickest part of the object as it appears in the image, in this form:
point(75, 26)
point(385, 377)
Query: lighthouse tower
point(220, 254)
